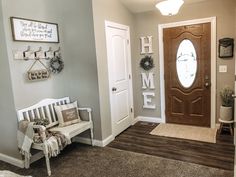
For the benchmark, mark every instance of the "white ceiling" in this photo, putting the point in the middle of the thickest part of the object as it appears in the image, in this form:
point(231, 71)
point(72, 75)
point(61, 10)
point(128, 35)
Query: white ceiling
point(137, 6)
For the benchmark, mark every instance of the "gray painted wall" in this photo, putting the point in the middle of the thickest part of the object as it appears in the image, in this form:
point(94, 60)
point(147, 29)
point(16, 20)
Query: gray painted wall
point(112, 11)
point(7, 108)
point(143, 24)
point(147, 24)
point(79, 78)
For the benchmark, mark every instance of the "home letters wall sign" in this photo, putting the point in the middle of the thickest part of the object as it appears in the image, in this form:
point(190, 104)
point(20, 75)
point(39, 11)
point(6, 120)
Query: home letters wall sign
point(147, 77)
point(146, 45)
point(34, 31)
point(148, 83)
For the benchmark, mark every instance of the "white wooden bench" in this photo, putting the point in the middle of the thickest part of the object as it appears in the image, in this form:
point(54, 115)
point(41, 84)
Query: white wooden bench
point(45, 109)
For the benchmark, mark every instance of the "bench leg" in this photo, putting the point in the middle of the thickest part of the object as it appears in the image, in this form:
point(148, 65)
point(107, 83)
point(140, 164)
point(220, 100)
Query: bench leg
point(48, 164)
point(45, 151)
point(27, 163)
point(91, 135)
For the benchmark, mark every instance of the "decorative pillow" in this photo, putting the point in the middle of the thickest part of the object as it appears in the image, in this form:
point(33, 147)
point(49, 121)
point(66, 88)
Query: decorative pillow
point(67, 114)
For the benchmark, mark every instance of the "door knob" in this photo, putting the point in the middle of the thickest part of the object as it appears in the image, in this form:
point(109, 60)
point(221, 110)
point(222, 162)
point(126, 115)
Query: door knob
point(207, 84)
point(114, 89)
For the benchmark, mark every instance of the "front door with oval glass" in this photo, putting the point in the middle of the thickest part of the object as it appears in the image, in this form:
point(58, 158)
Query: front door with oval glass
point(187, 53)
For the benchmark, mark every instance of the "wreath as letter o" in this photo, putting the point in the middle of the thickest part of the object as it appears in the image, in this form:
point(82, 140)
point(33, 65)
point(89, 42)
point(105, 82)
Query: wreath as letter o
point(147, 63)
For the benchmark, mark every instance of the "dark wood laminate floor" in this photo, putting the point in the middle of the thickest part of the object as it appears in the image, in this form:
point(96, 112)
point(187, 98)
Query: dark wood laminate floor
point(137, 139)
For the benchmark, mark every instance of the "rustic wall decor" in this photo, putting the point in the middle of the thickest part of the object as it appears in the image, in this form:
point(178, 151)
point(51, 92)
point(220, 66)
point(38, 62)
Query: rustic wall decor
point(56, 64)
point(34, 31)
point(42, 74)
point(39, 74)
point(30, 54)
point(226, 48)
point(146, 45)
point(148, 84)
point(147, 63)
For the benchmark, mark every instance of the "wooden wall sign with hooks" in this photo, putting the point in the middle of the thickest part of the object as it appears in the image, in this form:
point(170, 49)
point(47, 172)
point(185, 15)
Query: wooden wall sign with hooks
point(30, 54)
point(40, 56)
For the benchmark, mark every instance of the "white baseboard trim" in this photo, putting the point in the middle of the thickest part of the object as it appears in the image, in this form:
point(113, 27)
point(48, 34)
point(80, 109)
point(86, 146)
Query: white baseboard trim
point(135, 120)
point(150, 119)
point(11, 160)
point(108, 140)
point(98, 143)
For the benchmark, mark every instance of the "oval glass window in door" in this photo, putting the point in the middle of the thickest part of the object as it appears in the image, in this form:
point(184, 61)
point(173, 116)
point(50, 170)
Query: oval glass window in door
point(186, 63)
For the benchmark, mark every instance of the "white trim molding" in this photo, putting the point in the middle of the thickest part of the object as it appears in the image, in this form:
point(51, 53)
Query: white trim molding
point(211, 20)
point(135, 120)
point(149, 119)
point(11, 160)
point(98, 143)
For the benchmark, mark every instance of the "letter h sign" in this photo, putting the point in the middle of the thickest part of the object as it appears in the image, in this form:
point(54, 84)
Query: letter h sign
point(146, 45)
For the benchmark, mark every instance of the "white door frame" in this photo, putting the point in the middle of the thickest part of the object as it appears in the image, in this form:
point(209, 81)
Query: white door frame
point(109, 64)
point(161, 27)
point(235, 119)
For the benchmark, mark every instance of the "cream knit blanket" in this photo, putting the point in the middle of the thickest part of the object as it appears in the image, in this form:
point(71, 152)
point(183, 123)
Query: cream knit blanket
point(54, 143)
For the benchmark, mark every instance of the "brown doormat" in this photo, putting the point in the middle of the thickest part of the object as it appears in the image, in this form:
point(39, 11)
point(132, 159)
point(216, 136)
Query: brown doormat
point(186, 132)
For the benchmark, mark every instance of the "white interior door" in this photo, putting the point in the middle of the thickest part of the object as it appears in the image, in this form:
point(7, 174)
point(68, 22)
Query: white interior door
point(119, 61)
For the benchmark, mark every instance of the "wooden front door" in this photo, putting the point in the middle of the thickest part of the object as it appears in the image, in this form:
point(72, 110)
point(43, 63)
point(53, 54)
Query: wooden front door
point(187, 54)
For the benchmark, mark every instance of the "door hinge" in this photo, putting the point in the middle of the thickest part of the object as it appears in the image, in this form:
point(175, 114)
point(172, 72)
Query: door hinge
point(129, 76)
point(131, 109)
point(127, 41)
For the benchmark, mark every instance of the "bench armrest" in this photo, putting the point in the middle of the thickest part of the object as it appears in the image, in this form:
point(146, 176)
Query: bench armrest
point(89, 110)
point(42, 131)
point(85, 109)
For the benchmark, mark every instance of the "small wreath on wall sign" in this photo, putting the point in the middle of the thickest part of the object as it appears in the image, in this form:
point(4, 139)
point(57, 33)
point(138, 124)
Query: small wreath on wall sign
point(56, 65)
point(147, 63)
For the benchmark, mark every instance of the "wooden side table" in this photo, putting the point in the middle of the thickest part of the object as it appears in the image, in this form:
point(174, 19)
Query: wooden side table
point(227, 124)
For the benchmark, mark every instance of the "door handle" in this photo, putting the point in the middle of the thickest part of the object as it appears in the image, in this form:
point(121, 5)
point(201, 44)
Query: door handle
point(207, 84)
point(114, 89)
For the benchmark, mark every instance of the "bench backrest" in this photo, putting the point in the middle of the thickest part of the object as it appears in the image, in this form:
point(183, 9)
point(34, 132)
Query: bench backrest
point(44, 109)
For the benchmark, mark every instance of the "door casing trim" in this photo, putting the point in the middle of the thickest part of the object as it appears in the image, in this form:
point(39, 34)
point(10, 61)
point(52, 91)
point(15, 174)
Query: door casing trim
point(161, 27)
point(109, 64)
